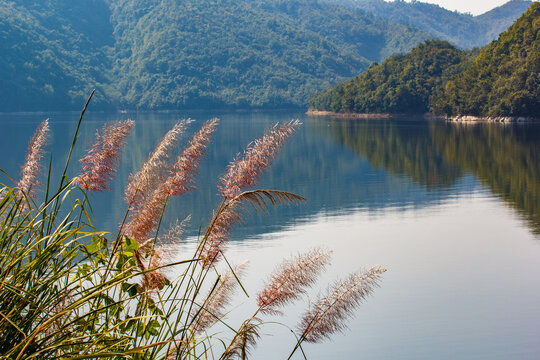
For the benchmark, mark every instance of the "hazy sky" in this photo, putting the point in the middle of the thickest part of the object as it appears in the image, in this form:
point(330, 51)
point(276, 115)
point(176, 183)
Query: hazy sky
point(474, 7)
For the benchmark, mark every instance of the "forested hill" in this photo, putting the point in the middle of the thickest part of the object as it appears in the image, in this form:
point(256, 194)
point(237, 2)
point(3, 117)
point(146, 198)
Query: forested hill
point(463, 30)
point(53, 53)
point(172, 54)
point(504, 80)
point(268, 53)
point(401, 84)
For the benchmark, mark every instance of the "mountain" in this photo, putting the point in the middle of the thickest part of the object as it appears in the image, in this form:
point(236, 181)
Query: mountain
point(242, 53)
point(462, 30)
point(504, 79)
point(358, 31)
point(175, 54)
point(51, 56)
point(401, 84)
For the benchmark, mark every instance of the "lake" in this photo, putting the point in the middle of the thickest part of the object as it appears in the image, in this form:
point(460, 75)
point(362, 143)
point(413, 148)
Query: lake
point(452, 210)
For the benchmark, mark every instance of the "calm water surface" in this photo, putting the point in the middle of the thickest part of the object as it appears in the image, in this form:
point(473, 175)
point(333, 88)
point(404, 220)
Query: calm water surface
point(452, 211)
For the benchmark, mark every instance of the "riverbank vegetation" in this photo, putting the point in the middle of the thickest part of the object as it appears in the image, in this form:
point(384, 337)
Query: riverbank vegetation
point(504, 78)
point(71, 291)
point(401, 84)
point(499, 80)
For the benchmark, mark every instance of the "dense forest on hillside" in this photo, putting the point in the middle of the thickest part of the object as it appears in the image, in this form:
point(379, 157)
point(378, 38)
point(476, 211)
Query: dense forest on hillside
point(169, 54)
point(504, 80)
point(462, 30)
point(401, 84)
point(172, 54)
point(356, 30)
point(242, 53)
point(51, 57)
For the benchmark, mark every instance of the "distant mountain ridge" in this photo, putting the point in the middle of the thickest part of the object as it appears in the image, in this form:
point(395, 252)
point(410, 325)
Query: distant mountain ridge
point(500, 80)
point(243, 53)
point(177, 54)
point(503, 80)
point(463, 30)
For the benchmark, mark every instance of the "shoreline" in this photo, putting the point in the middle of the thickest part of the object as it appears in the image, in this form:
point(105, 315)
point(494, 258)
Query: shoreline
point(350, 115)
point(469, 119)
point(491, 119)
point(172, 111)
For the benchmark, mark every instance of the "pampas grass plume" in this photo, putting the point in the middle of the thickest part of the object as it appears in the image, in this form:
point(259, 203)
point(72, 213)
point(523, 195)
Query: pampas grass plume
point(329, 314)
point(32, 165)
point(145, 218)
point(98, 167)
point(291, 278)
point(185, 167)
point(153, 171)
point(247, 168)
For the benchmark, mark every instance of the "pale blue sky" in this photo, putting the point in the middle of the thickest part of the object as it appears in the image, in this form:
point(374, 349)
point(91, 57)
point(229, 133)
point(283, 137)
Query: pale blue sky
point(474, 7)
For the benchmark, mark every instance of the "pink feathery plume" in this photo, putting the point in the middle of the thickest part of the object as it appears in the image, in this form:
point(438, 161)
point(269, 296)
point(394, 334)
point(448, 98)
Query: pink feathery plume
point(155, 279)
point(153, 171)
point(98, 167)
point(219, 298)
point(216, 238)
point(328, 314)
point(291, 279)
point(175, 233)
point(145, 219)
point(185, 167)
point(244, 171)
point(32, 165)
point(241, 173)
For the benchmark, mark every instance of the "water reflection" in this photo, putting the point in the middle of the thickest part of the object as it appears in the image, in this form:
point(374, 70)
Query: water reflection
point(412, 195)
point(402, 147)
point(437, 154)
point(338, 165)
point(506, 159)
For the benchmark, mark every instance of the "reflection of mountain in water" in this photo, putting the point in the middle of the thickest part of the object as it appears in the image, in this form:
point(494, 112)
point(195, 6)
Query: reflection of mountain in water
point(329, 175)
point(400, 148)
point(332, 178)
point(506, 159)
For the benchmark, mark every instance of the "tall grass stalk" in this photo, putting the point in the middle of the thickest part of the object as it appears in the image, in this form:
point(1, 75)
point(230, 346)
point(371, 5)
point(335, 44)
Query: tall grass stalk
point(70, 291)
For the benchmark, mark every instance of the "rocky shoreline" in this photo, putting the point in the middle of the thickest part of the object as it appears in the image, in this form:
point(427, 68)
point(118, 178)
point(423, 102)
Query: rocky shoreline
point(488, 119)
point(469, 119)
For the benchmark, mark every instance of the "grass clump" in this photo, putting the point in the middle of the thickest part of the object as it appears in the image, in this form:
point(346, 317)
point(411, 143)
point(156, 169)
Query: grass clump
point(70, 291)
